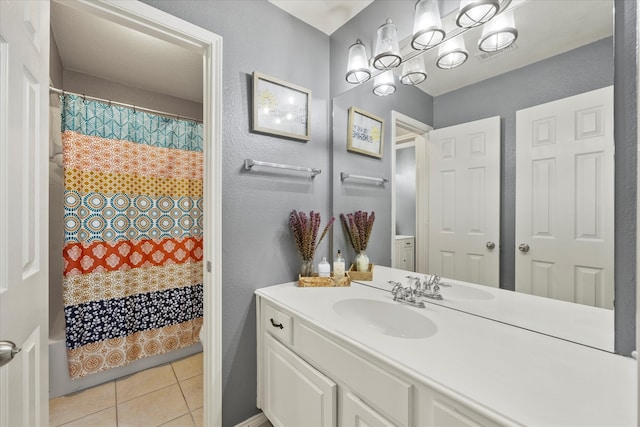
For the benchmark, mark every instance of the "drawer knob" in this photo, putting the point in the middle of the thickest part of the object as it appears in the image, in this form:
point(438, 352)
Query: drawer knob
point(276, 325)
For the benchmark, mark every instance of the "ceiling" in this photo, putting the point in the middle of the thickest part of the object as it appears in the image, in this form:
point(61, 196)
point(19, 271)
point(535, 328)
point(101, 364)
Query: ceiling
point(545, 27)
point(129, 57)
point(325, 15)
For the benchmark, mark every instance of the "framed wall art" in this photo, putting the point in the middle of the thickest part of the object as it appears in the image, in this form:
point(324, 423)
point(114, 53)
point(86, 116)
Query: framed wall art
point(365, 133)
point(280, 108)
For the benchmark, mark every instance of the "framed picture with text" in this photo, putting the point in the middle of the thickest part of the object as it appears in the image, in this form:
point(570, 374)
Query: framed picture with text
point(280, 108)
point(365, 133)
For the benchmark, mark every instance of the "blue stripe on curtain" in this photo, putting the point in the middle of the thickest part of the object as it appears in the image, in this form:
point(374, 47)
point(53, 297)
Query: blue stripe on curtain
point(113, 122)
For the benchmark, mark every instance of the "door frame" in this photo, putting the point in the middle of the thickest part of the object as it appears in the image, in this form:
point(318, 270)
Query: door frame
point(422, 203)
point(159, 24)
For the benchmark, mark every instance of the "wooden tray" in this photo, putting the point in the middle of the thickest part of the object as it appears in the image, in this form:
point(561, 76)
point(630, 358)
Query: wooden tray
point(315, 281)
point(360, 275)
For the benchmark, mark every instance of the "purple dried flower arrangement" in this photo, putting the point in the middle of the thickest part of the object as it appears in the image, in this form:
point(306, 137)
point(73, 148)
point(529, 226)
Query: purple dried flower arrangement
point(358, 226)
point(305, 232)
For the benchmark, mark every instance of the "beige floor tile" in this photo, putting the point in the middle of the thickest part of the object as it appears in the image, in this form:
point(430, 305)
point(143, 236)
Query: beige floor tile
point(144, 382)
point(153, 409)
point(184, 421)
point(188, 367)
point(68, 408)
point(198, 415)
point(105, 418)
point(192, 390)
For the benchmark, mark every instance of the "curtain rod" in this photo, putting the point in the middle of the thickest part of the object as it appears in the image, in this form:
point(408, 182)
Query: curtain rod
point(122, 104)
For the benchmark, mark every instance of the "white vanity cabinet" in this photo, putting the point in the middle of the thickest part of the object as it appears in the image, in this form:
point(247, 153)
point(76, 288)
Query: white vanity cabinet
point(405, 253)
point(307, 377)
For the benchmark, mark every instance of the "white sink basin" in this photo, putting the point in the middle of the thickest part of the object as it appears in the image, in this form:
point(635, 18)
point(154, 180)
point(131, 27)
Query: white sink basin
point(457, 291)
point(391, 319)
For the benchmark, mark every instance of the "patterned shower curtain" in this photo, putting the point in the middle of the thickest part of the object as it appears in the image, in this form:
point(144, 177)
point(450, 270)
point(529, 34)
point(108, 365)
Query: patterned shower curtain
point(133, 234)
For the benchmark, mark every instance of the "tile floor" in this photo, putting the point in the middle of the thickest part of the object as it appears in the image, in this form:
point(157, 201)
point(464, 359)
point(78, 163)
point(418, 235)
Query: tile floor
point(167, 395)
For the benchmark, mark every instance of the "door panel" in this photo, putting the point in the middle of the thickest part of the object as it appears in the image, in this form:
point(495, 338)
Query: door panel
point(464, 201)
point(24, 84)
point(564, 199)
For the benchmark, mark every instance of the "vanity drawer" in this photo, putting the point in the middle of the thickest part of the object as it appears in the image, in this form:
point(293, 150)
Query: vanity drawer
point(381, 390)
point(277, 323)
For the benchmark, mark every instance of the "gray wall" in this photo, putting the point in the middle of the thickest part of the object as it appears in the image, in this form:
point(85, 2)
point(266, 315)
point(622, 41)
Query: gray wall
point(626, 140)
point(406, 191)
point(351, 196)
point(74, 81)
point(258, 250)
point(580, 70)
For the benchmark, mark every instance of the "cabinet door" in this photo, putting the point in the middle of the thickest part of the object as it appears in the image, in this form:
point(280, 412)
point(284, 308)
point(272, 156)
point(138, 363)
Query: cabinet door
point(295, 393)
point(407, 255)
point(356, 413)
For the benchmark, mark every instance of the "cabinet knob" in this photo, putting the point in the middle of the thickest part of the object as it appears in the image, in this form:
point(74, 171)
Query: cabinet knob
point(490, 245)
point(524, 248)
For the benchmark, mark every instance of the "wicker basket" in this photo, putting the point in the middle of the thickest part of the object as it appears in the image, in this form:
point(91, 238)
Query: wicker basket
point(360, 275)
point(315, 281)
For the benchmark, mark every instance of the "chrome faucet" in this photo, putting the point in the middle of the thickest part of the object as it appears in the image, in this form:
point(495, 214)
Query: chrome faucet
point(405, 295)
point(430, 287)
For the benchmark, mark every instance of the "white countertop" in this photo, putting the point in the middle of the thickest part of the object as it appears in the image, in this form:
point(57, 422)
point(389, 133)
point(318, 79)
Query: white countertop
point(530, 378)
point(579, 323)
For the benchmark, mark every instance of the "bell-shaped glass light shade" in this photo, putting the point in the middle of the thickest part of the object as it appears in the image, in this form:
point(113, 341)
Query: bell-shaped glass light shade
point(476, 12)
point(413, 71)
point(498, 34)
point(452, 54)
point(387, 53)
point(384, 84)
point(357, 64)
point(427, 25)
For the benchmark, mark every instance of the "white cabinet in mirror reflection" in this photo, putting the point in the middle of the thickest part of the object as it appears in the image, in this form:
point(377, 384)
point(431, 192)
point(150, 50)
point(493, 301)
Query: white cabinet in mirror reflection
point(405, 253)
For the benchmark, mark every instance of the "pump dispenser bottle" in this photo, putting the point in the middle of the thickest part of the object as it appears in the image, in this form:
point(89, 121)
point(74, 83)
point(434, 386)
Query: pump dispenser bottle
point(338, 266)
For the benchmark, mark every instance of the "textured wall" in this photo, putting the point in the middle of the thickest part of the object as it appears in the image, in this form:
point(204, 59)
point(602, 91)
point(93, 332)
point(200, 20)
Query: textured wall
point(258, 249)
point(583, 69)
point(351, 196)
point(95, 86)
point(626, 136)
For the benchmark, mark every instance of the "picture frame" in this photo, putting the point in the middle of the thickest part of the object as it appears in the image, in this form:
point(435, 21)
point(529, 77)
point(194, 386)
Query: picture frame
point(280, 108)
point(365, 134)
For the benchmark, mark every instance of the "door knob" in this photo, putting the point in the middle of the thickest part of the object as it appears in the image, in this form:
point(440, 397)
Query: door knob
point(524, 248)
point(490, 245)
point(8, 351)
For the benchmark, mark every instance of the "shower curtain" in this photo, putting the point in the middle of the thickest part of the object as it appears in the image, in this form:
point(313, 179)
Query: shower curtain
point(133, 234)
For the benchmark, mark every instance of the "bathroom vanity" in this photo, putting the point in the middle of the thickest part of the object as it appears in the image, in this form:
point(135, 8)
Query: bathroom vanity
point(353, 357)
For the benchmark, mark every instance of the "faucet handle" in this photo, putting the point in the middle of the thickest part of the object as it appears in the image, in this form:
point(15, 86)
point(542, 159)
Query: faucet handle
point(397, 288)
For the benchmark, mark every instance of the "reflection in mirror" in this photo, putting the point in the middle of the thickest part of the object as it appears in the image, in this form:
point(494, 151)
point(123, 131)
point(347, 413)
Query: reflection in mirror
point(563, 49)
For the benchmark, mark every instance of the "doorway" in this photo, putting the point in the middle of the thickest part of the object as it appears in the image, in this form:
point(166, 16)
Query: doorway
point(409, 179)
point(149, 22)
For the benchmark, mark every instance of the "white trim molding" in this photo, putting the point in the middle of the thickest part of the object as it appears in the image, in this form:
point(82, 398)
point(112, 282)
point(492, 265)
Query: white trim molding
point(256, 421)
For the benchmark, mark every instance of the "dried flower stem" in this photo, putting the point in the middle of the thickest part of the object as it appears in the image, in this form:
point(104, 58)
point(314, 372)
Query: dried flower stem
point(358, 226)
point(305, 232)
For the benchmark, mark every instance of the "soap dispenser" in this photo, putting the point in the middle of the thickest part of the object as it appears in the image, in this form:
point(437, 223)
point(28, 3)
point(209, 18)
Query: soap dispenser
point(324, 269)
point(338, 265)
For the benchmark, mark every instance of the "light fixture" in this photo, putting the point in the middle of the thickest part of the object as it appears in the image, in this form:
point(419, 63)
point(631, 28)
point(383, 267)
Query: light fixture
point(384, 84)
point(358, 64)
point(427, 25)
point(452, 54)
point(498, 34)
point(476, 12)
point(387, 54)
point(413, 71)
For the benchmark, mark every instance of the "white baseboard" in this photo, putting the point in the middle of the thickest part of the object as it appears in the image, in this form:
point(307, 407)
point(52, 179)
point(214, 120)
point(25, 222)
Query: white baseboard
point(255, 421)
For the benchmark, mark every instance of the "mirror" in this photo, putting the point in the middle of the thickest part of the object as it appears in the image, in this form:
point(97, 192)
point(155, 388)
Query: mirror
point(563, 49)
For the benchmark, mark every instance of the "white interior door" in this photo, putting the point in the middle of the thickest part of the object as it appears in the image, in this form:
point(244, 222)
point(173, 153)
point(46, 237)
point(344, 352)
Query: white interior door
point(464, 201)
point(564, 199)
point(24, 86)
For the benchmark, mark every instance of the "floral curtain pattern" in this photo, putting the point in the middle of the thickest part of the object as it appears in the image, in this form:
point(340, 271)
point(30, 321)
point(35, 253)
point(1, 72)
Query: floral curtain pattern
point(133, 251)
